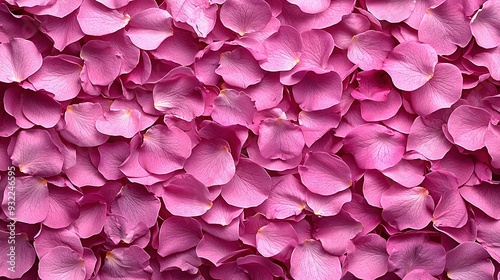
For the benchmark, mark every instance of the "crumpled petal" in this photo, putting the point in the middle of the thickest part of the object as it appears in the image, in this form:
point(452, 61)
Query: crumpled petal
point(20, 59)
point(201, 15)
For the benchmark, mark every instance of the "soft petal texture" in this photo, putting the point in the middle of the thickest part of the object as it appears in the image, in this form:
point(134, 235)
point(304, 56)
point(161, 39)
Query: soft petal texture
point(101, 59)
point(367, 257)
point(375, 146)
point(492, 142)
point(311, 8)
point(318, 91)
point(245, 17)
point(327, 205)
point(59, 9)
point(250, 186)
point(335, 232)
point(80, 125)
point(359, 209)
point(63, 208)
point(487, 229)
point(92, 217)
point(24, 254)
point(467, 125)
point(310, 261)
point(221, 213)
point(450, 211)
point(485, 25)
point(369, 49)
point(407, 173)
point(266, 94)
point(280, 139)
point(20, 59)
point(392, 11)
point(484, 196)
point(126, 263)
point(288, 198)
point(469, 260)
point(96, 19)
point(84, 172)
point(315, 124)
point(383, 110)
point(184, 196)
point(178, 234)
point(350, 25)
point(273, 238)
point(427, 137)
point(232, 107)
point(137, 205)
point(239, 68)
point(32, 200)
point(164, 149)
point(444, 27)
point(123, 122)
point(211, 162)
point(62, 263)
point(407, 208)
point(487, 58)
point(283, 50)
point(63, 31)
point(149, 28)
point(112, 155)
point(199, 14)
point(215, 249)
point(411, 65)
point(324, 174)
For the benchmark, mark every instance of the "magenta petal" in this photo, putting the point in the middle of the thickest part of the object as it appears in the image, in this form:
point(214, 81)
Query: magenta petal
point(283, 50)
point(215, 249)
point(359, 209)
point(381, 111)
point(407, 208)
point(232, 107)
point(316, 124)
point(102, 61)
point(450, 211)
point(20, 59)
point(126, 263)
point(178, 234)
point(239, 68)
point(487, 235)
point(288, 198)
point(59, 9)
point(327, 205)
point(411, 65)
point(427, 137)
point(467, 125)
point(136, 204)
point(32, 200)
point(369, 49)
point(112, 155)
point(487, 58)
point(24, 255)
point(393, 11)
point(485, 196)
point(367, 257)
point(91, 219)
point(184, 196)
point(266, 94)
point(164, 149)
point(149, 28)
point(221, 213)
point(64, 208)
point(273, 238)
point(84, 172)
point(324, 174)
point(407, 173)
point(280, 139)
point(200, 15)
point(49, 239)
point(63, 31)
point(310, 261)
point(80, 125)
point(250, 186)
point(335, 232)
point(469, 260)
point(121, 122)
point(62, 262)
point(97, 20)
point(40, 109)
point(245, 16)
point(485, 25)
point(375, 146)
point(374, 185)
point(311, 8)
point(492, 142)
point(318, 91)
point(211, 162)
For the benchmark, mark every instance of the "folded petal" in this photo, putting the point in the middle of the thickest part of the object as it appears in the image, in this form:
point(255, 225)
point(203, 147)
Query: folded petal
point(485, 25)
point(467, 125)
point(147, 29)
point(367, 257)
point(280, 139)
point(469, 260)
point(32, 200)
point(335, 232)
point(178, 234)
point(273, 238)
point(375, 146)
point(283, 50)
point(349, 26)
point(381, 110)
point(369, 49)
point(427, 137)
point(393, 11)
point(310, 261)
point(40, 108)
point(233, 107)
point(487, 235)
point(288, 198)
point(239, 68)
point(374, 85)
point(411, 65)
point(20, 59)
point(359, 209)
point(97, 20)
point(122, 122)
point(184, 196)
point(318, 91)
point(60, 263)
point(80, 124)
point(63, 31)
point(245, 17)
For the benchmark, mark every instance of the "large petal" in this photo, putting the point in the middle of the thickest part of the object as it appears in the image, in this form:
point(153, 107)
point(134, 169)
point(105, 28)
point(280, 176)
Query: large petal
point(369, 49)
point(450, 211)
point(32, 200)
point(80, 125)
point(102, 62)
point(288, 198)
point(23, 253)
point(184, 196)
point(467, 125)
point(63, 207)
point(274, 238)
point(178, 234)
point(318, 91)
point(126, 263)
point(393, 10)
point(245, 16)
point(485, 25)
point(310, 261)
point(232, 107)
point(63, 31)
point(122, 122)
point(335, 232)
point(137, 205)
point(283, 50)
point(239, 68)
point(427, 137)
point(96, 19)
point(149, 28)
point(280, 139)
point(469, 261)
point(20, 59)
point(485, 196)
point(329, 205)
point(367, 257)
point(62, 263)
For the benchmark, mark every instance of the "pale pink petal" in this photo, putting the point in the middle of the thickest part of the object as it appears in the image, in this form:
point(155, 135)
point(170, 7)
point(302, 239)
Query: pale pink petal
point(407, 208)
point(318, 91)
point(24, 254)
point(420, 9)
point(485, 25)
point(467, 125)
point(314, 57)
point(427, 137)
point(201, 15)
point(288, 198)
point(250, 186)
point(233, 107)
point(62, 263)
point(315, 124)
point(126, 51)
point(20, 59)
point(178, 234)
point(411, 65)
point(381, 110)
point(324, 174)
point(469, 260)
point(164, 149)
point(283, 50)
point(280, 139)
point(392, 10)
point(149, 28)
point(59, 75)
point(215, 249)
point(485, 196)
point(245, 17)
point(31, 152)
point(310, 261)
point(274, 238)
point(63, 31)
point(80, 125)
point(369, 49)
point(95, 19)
point(123, 122)
point(407, 173)
point(184, 196)
point(444, 27)
point(375, 146)
point(101, 61)
point(335, 232)
point(126, 263)
point(239, 68)
point(367, 257)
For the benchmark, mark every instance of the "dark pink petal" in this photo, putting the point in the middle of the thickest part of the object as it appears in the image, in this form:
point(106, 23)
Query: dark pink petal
point(186, 197)
point(367, 257)
point(427, 137)
point(467, 125)
point(80, 125)
point(485, 196)
point(450, 211)
point(40, 109)
point(280, 139)
point(164, 149)
point(315, 124)
point(127, 52)
point(178, 234)
point(101, 61)
point(20, 59)
point(185, 261)
point(375, 146)
point(392, 11)
point(239, 68)
point(63, 31)
point(215, 249)
point(335, 232)
point(96, 19)
point(63, 207)
point(283, 50)
point(310, 261)
point(211, 162)
point(32, 199)
point(136, 204)
point(411, 65)
point(84, 172)
point(407, 173)
point(444, 27)
point(273, 238)
point(327, 205)
point(485, 25)
point(288, 198)
point(126, 263)
point(441, 91)
point(122, 122)
point(318, 91)
point(381, 110)
point(324, 174)
point(201, 15)
point(62, 262)
point(245, 16)
point(59, 75)
point(149, 28)
point(233, 107)
point(374, 85)
point(250, 186)
point(91, 219)
point(24, 255)
point(469, 261)
point(369, 49)
point(407, 208)
point(415, 251)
